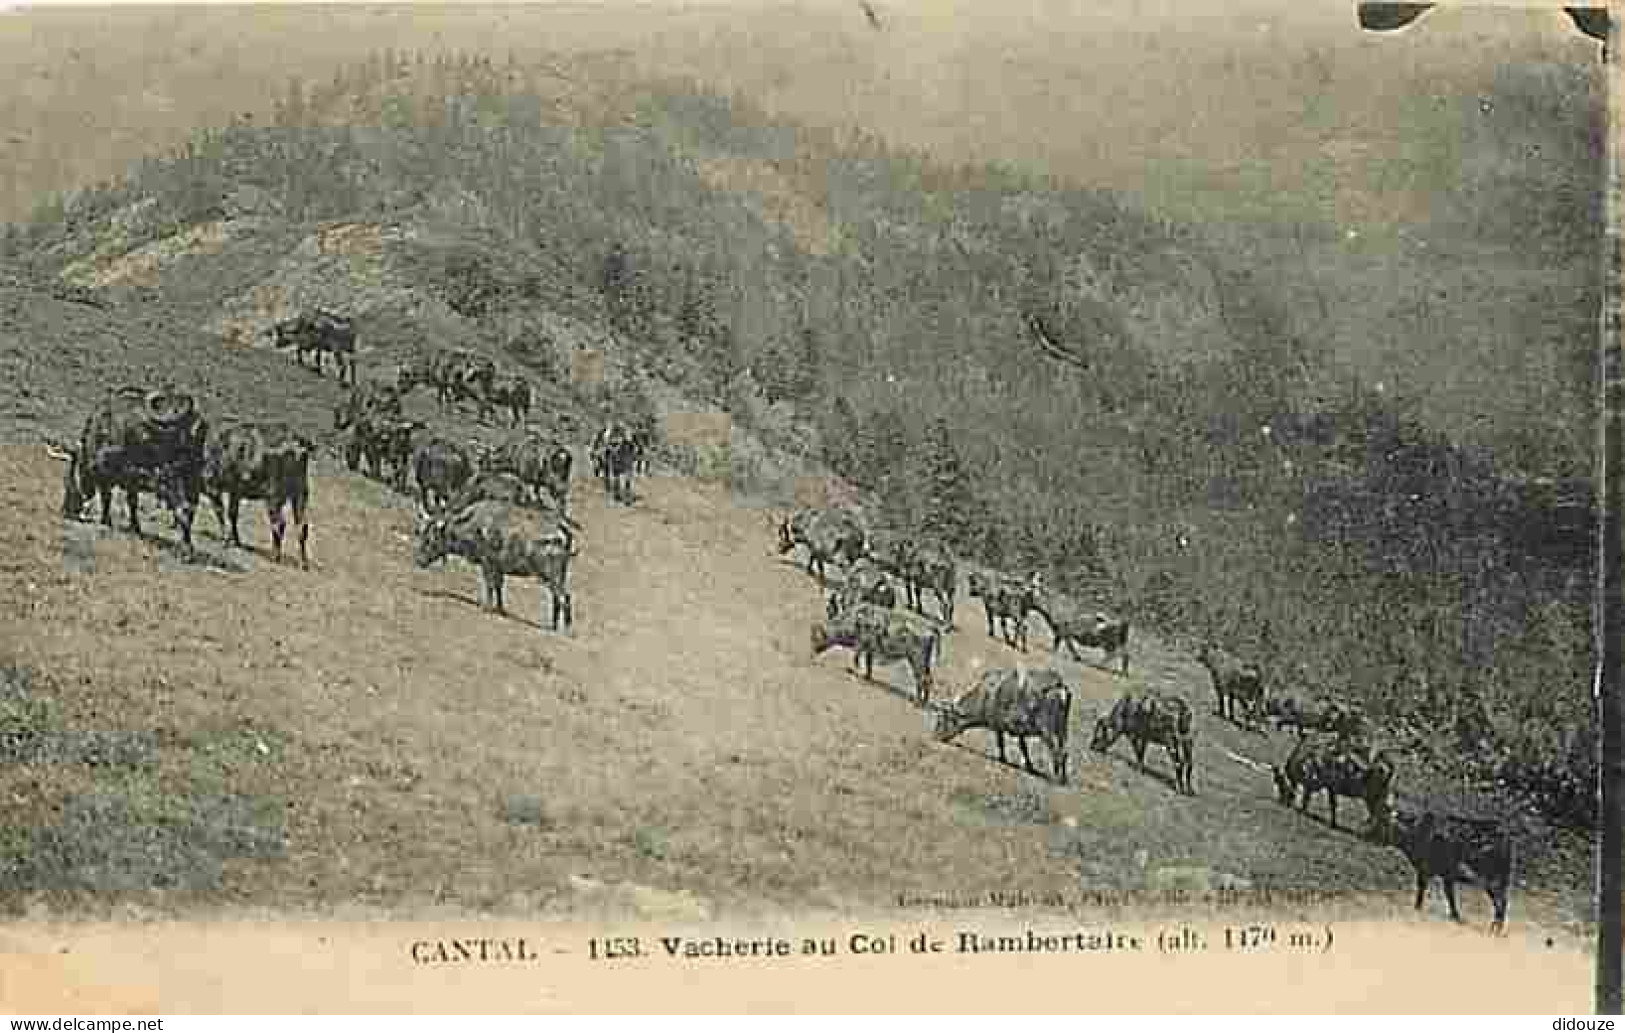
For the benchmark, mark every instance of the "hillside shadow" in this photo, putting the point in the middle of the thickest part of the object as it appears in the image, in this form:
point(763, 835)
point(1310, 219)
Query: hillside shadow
point(474, 604)
point(1150, 770)
point(1041, 759)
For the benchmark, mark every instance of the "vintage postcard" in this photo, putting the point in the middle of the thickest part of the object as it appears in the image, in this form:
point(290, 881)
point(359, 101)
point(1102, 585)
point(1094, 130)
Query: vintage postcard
point(815, 506)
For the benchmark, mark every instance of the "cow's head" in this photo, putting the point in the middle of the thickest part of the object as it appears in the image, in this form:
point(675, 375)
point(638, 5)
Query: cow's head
point(429, 538)
point(1105, 733)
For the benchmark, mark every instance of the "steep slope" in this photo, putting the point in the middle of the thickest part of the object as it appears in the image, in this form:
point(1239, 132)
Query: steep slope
point(231, 734)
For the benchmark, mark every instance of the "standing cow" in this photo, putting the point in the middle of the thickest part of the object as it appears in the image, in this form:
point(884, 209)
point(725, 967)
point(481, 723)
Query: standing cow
point(503, 541)
point(1340, 767)
point(1149, 719)
point(1019, 703)
point(1234, 682)
point(321, 332)
point(829, 534)
point(614, 459)
point(1452, 848)
point(441, 466)
point(542, 463)
point(1072, 625)
point(1005, 602)
point(139, 440)
point(265, 461)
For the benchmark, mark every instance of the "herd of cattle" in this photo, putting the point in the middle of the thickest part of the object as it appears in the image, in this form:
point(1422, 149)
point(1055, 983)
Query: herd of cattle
point(504, 508)
point(501, 506)
point(1333, 754)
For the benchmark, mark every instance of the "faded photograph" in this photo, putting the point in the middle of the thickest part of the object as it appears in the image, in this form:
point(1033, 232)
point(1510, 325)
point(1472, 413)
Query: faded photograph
point(704, 463)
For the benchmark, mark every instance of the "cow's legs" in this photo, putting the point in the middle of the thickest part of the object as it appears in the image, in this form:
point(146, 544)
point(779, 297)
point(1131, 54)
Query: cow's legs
point(1498, 901)
point(1450, 896)
point(1000, 737)
point(1139, 751)
point(219, 512)
point(234, 504)
point(132, 500)
point(1026, 758)
point(1421, 889)
point(279, 527)
point(301, 517)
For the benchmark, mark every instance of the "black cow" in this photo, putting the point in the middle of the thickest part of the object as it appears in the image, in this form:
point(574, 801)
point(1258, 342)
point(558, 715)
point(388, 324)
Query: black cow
point(387, 446)
point(1005, 601)
point(260, 461)
point(441, 467)
point(873, 632)
point(931, 568)
point(1341, 767)
point(512, 392)
point(1018, 703)
point(1451, 848)
point(504, 541)
point(1233, 682)
point(614, 459)
point(1073, 625)
point(829, 534)
point(1152, 719)
point(139, 440)
point(865, 583)
point(370, 400)
point(321, 332)
point(542, 463)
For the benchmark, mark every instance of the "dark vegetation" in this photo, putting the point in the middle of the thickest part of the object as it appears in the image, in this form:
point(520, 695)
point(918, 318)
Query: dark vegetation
point(1250, 490)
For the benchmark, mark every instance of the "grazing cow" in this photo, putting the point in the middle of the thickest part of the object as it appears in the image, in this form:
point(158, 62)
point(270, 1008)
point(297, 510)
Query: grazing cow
point(321, 332)
point(441, 467)
point(1233, 682)
point(1005, 601)
point(1070, 624)
point(512, 392)
point(873, 632)
point(540, 462)
point(930, 567)
point(614, 459)
point(139, 440)
point(1152, 719)
point(829, 534)
point(270, 462)
point(1452, 848)
point(1341, 768)
point(865, 583)
point(1330, 716)
point(503, 541)
point(1019, 703)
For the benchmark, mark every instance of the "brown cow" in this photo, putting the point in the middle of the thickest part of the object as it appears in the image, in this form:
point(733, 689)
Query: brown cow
point(1006, 701)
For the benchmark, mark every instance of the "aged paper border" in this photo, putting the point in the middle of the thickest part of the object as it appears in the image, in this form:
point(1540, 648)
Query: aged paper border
point(374, 964)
